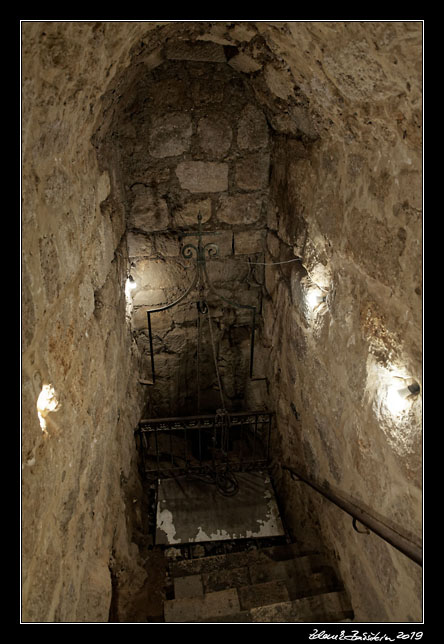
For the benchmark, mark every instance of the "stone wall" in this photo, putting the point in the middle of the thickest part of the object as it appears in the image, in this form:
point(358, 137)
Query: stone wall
point(345, 321)
point(79, 468)
point(190, 139)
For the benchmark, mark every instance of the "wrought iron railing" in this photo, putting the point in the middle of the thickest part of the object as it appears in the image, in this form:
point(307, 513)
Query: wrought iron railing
point(192, 444)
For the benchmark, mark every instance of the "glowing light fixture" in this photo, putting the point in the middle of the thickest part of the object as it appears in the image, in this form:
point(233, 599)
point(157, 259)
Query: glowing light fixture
point(130, 285)
point(315, 297)
point(46, 402)
point(400, 394)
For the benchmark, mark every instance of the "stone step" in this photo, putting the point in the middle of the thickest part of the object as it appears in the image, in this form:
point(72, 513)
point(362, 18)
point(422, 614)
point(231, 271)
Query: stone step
point(304, 575)
point(249, 596)
point(254, 595)
point(236, 560)
point(315, 584)
point(197, 585)
point(225, 578)
point(299, 582)
point(296, 568)
point(191, 586)
point(327, 607)
point(274, 584)
point(243, 617)
point(197, 609)
point(224, 603)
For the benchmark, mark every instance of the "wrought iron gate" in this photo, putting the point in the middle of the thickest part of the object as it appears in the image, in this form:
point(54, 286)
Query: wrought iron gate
point(194, 444)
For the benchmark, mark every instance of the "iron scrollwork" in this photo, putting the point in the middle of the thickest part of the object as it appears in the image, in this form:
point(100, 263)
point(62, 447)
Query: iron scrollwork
point(200, 252)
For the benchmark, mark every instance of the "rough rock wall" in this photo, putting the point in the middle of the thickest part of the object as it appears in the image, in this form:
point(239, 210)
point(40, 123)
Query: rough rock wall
point(78, 468)
point(345, 321)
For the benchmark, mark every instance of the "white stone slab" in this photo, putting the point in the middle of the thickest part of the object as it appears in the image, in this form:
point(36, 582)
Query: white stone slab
point(190, 511)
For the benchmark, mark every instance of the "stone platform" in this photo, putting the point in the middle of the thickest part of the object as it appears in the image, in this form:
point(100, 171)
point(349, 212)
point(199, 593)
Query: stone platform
point(190, 511)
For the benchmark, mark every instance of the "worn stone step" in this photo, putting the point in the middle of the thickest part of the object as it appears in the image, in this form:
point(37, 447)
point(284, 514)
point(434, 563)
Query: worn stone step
point(197, 609)
point(271, 592)
point(190, 586)
point(236, 560)
point(327, 607)
point(300, 579)
point(304, 576)
point(296, 568)
point(314, 584)
point(225, 578)
point(243, 617)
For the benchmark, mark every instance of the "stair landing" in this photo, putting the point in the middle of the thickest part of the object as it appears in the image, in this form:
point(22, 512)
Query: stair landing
point(191, 511)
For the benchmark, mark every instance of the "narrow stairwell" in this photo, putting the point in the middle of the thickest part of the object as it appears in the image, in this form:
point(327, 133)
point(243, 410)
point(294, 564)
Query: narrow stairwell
point(227, 554)
point(279, 583)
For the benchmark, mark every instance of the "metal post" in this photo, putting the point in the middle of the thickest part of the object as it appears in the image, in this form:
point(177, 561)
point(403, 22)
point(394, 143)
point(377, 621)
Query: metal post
point(253, 324)
point(269, 437)
point(151, 346)
point(157, 450)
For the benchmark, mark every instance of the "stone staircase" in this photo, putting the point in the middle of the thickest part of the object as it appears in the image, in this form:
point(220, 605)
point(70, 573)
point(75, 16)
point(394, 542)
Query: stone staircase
point(278, 583)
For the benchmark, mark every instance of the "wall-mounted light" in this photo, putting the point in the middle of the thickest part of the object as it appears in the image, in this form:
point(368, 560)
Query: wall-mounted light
point(46, 402)
point(400, 393)
point(130, 285)
point(315, 297)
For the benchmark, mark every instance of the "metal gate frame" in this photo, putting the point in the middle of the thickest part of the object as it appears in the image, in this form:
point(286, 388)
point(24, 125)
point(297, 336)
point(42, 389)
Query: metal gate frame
point(241, 441)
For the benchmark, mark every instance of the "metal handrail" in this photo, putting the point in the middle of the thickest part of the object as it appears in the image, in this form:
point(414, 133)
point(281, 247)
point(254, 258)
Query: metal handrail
point(397, 540)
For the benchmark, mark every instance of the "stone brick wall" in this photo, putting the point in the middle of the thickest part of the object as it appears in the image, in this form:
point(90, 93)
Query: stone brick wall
point(192, 140)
